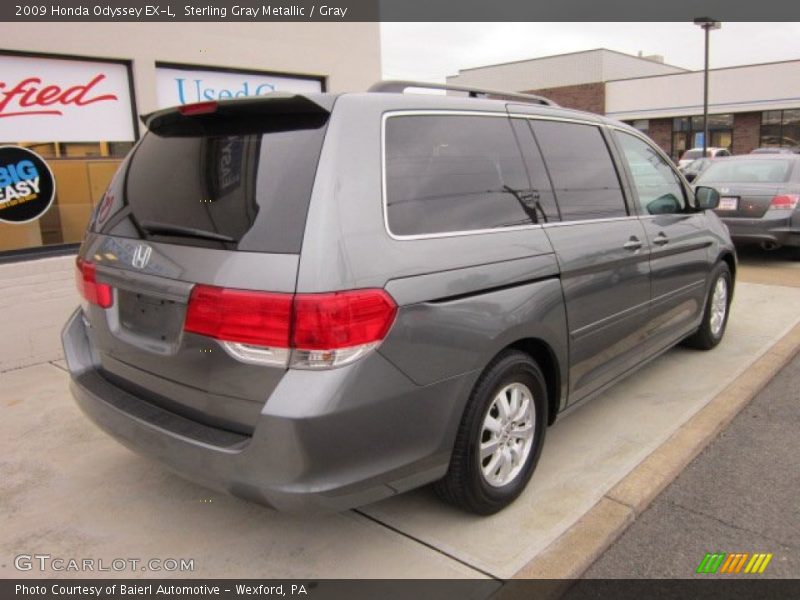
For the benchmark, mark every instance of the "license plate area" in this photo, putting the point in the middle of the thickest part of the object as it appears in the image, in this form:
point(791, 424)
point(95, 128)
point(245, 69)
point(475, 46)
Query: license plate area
point(728, 203)
point(149, 316)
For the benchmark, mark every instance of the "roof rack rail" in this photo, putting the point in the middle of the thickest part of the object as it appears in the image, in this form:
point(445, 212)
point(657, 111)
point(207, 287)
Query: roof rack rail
point(399, 87)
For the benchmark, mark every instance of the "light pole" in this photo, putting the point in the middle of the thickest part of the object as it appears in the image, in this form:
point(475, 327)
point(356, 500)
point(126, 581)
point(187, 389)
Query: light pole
point(707, 23)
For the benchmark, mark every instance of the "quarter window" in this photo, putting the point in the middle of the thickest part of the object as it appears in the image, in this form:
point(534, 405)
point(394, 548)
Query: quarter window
point(583, 175)
point(657, 186)
point(453, 173)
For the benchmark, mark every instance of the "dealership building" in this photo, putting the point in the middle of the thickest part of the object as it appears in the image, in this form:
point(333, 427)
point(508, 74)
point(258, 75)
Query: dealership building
point(73, 93)
point(749, 105)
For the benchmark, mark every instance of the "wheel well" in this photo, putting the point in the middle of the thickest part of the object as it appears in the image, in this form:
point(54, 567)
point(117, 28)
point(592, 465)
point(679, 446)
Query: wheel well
point(728, 258)
point(543, 355)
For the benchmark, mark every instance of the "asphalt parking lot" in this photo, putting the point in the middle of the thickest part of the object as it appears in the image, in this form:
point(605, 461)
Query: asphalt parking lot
point(71, 491)
point(708, 510)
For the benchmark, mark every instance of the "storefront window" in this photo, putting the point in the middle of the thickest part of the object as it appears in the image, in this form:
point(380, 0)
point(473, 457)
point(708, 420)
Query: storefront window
point(82, 138)
point(687, 132)
point(680, 124)
point(780, 128)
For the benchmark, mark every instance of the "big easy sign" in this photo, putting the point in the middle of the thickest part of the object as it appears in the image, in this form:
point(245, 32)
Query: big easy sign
point(64, 100)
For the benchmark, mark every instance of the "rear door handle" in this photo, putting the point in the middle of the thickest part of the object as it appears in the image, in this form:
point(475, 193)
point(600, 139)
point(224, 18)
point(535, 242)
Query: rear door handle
point(633, 244)
point(661, 239)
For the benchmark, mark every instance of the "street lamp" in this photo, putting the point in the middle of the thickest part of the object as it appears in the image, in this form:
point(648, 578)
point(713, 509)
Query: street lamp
point(707, 23)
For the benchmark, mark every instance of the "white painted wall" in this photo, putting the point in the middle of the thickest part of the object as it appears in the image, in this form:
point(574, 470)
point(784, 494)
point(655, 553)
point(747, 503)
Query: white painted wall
point(748, 88)
point(564, 69)
point(38, 297)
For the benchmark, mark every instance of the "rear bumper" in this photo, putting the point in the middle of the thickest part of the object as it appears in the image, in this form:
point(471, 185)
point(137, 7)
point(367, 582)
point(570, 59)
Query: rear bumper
point(777, 230)
point(324, 441)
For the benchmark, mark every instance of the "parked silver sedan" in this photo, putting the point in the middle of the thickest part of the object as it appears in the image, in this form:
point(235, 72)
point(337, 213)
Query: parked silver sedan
point(759, 197)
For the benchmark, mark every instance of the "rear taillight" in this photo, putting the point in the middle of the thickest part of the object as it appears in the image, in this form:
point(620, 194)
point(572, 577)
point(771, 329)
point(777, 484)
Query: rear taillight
point(335, 329)
point(254, 318)
point(309, 331)
point(785, 201)
point(100, 294)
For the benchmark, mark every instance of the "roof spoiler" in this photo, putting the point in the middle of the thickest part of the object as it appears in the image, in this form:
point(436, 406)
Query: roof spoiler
point(274, 103)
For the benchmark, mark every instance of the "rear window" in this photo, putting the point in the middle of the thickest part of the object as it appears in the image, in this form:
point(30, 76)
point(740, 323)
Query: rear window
point(454, 173)
point(747, 171)
point(241, 184)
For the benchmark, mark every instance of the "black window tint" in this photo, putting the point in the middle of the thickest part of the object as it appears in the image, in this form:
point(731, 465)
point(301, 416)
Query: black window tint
point(657, 186)
point(542, 191)
point(245, 190)
point(454, 173)
point(584, 178)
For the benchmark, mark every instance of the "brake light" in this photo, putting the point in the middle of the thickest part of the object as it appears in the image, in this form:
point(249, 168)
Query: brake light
point(785, 201)
point(240, 316)
point(342, 319)
point(335, 329)
point(100, 294)
point(309, 331)
point(198, 108)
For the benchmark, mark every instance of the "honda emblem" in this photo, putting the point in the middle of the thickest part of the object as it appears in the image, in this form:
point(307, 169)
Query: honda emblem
point(141, 256)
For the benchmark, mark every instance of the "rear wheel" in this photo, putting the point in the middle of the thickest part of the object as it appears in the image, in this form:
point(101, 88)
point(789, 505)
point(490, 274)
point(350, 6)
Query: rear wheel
point(500, 436)
point(715, 317)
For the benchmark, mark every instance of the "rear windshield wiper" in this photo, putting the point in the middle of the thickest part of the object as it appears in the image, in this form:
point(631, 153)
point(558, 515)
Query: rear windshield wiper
point(179, 231)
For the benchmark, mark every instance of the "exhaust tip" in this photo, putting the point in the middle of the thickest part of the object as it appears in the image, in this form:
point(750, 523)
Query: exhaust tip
point(769, 246)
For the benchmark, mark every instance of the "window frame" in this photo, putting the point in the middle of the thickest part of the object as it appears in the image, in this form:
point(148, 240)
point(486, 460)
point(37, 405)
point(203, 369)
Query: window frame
point(602, 127)
point(688, 194)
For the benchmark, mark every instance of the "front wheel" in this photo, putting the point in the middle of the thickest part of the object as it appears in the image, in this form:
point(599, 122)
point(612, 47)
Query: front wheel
point(500, 436)
point(715, 317)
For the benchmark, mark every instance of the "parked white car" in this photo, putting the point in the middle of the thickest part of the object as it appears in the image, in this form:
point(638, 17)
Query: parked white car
point(695, 153)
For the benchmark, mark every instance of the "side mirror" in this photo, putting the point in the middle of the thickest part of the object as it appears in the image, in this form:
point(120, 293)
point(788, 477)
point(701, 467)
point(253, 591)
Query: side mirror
point(664, 205)
point(707, 197)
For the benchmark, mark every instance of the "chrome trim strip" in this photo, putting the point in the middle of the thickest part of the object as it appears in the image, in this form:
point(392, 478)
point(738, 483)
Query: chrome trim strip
point(550, 118)
point(589, 221)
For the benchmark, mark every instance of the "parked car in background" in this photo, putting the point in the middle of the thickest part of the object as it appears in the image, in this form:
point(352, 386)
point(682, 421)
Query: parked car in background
point(694, 168)
point(777, 150)
point(695, 153)
point(759, 197)
point(318, 301)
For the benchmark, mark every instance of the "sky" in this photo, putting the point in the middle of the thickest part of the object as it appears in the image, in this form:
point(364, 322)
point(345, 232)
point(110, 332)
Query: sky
point(431, 51)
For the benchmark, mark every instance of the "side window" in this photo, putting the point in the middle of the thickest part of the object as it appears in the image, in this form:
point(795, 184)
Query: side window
point(658, 187)
point(449, 173)
point(584, 178)
point(541, 190)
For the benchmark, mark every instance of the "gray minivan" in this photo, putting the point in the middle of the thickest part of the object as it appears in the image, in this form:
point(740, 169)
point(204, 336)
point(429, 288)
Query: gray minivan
point(320, 301)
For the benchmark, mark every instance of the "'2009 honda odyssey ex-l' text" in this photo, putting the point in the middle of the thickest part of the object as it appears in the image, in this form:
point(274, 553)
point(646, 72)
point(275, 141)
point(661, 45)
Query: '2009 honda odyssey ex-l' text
point(319, 301)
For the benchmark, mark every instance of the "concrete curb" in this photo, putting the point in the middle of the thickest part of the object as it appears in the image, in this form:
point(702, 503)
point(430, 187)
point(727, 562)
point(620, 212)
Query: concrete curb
point(576, 549)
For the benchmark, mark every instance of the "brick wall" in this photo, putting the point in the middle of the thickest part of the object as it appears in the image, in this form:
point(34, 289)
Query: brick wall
point(38, 297)
point(746, 132)
point(660, 131)
point(590, 97)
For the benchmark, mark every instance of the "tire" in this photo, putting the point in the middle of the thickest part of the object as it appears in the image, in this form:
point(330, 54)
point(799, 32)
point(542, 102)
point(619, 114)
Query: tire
point(511, 374)
point(711, 329)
